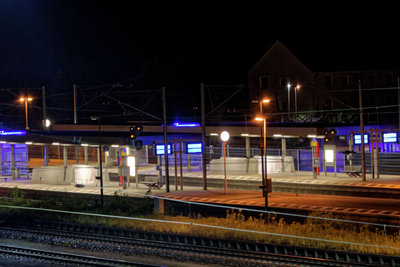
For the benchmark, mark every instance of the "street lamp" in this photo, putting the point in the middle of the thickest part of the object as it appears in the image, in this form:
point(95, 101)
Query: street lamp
point(97, 118)
point(225, 137)
point(264, 161)
point(26, 100)
point(295, 97)
point(288, 95)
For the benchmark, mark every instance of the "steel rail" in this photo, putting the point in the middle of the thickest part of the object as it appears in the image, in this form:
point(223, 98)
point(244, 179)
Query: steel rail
point(210, 247)
point(66, 258)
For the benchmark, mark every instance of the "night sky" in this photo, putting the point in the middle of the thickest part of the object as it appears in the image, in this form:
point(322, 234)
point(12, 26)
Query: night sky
point(97, 44)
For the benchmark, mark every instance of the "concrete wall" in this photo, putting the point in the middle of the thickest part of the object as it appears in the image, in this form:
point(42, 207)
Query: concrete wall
point(77, 174)
point(252, 165)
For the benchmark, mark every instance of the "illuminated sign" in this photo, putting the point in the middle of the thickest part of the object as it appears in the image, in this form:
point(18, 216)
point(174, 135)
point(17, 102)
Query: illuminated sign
point(390, 137)
point(357, 139)
point(3, 132)
point(131, 162)
point(329, 156)
point(191, 124)
point(160, 149)
point(193, 148)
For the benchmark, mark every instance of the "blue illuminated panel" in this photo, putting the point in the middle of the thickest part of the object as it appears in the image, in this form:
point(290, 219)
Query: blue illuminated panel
point(160, 149)
point(357, 139)
point(390, 137)
point(192, 148)
point(190, 124)
point(3, 132)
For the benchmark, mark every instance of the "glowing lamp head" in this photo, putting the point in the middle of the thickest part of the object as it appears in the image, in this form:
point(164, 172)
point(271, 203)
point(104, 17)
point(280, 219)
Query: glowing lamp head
point(224, 136)
point(266, 100)
point(46, 123)
point(259, 119)
point(22, 99)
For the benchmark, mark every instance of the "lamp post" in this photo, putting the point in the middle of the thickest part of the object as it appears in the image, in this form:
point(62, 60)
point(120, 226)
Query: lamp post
point(295, 97)
point(26, 100)
point(97, 118)
point(225, 137)
point(264, 162)
point(288, 96)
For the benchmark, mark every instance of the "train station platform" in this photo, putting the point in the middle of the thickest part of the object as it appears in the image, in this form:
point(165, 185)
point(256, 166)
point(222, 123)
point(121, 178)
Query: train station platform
point(386, 186)
point(337, 194)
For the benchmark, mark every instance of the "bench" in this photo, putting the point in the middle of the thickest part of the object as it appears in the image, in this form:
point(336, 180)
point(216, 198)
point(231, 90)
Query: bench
point(353, 171)
point(152, 182)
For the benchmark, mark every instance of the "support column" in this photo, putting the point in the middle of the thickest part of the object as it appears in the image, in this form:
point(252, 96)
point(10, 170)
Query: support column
point(283, 141)
point(1, 160)
point(45, 155)
point(189, 165)
point(13, 170)
point(85, 151)
point(65, 157)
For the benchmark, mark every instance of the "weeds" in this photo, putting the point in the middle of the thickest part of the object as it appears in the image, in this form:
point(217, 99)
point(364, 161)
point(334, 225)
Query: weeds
point(382, 243)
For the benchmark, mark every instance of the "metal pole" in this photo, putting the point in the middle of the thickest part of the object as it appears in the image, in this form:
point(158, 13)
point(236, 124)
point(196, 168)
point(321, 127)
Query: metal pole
point(372, 155)
point(377, 153)
point(180, 160)
point(203, 136)
point(398, 97)
point(262, 150)
point(288, 97)
point(75, 105)
point(226, 185)
point(12, 158)
point(295, 100)
point(176, 167)
point(362, 131)
point(165, 139)
point(44, 105)
point(265, 167)
point(101, 168)
point(45, 155)
point(26, 115)
point(65, 158)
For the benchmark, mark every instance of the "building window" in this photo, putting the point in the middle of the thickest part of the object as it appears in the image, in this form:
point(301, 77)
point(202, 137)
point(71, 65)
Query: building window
point(389, 79)
point(345, 82)
point(264, 82)
point(328, 82)
point(372, 80)
point(282, 82)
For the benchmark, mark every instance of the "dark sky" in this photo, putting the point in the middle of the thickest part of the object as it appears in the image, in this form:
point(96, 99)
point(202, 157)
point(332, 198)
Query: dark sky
point(58, 43)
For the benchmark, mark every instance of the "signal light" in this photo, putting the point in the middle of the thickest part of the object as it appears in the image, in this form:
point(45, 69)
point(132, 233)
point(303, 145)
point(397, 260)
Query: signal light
point(135, 132)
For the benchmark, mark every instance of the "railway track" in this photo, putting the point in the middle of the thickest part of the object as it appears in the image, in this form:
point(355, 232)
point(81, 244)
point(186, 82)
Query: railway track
point(63, 258)
point(197, 249)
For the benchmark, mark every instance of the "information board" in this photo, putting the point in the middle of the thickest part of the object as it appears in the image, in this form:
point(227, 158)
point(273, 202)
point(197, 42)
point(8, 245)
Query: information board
point(357, 139)
point(192, 148)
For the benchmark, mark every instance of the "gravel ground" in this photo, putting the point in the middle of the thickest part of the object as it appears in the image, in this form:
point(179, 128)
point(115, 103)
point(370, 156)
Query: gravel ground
point(7, 262)
point(160, 257)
